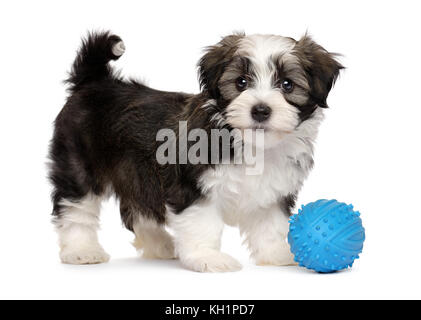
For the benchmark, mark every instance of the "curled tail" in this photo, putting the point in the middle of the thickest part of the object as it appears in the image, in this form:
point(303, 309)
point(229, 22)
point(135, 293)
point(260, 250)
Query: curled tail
point(91, 63)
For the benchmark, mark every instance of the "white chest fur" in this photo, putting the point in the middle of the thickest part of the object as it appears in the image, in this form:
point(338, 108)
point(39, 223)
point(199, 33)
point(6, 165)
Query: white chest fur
point(285, 168)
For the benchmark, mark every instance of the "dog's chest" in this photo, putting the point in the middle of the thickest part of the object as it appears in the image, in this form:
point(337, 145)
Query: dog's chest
point(236, 192)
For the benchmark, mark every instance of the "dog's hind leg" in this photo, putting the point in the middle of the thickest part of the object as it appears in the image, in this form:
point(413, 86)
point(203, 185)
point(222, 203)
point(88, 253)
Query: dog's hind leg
point(77, 223)
point(77, 199)
point(142, 209)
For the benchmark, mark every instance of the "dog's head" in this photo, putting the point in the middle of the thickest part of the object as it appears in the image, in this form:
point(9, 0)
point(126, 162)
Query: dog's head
point(268, 82)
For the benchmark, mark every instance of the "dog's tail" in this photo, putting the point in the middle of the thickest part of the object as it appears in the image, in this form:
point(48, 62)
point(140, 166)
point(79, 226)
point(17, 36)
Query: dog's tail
point(91, 63)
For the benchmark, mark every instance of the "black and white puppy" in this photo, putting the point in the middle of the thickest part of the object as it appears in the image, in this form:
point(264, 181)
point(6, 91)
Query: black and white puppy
point(105, 142)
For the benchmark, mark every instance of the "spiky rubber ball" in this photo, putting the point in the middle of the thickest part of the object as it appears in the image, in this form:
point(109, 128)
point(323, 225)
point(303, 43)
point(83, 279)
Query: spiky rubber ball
point(326, 236)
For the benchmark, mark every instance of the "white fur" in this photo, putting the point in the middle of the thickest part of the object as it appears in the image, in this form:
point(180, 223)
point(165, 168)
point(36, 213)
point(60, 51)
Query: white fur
point(265, 231)
point(286, 166)
point(152, 240)
point(260, 48)
point(284, 117)
point(118, 49)
point(77, 230)
point(197, 232)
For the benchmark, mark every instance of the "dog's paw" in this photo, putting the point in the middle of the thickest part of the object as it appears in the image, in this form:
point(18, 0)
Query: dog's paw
point(211, 261)
point(93, 255)
point(277, 256)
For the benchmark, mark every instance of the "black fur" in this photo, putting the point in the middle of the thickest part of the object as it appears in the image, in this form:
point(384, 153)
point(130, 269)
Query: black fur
point(321, 68)
point(288, 203)
point(106, 136)
point(91, 63)
point(213, 63)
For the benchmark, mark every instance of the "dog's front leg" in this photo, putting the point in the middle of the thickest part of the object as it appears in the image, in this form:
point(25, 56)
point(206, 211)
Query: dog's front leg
point(197, 235)
point(265, 231)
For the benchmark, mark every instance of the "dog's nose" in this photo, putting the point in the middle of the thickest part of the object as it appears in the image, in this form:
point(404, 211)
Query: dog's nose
point(260, 112)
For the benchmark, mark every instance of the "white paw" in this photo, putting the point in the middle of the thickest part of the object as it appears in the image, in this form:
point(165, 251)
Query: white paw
point(277, 256)
point(211, 261)
point(118, 49)
point(93, 255)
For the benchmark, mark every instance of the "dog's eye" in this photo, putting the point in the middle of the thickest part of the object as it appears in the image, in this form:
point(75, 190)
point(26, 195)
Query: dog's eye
point(241, 83)
point(287, 86)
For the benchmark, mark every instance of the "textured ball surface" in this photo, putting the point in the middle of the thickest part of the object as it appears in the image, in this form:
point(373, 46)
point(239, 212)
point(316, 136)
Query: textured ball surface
point(326, 236)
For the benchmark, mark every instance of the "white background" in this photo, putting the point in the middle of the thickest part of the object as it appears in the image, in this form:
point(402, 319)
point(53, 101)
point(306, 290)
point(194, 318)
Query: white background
point(368, 151)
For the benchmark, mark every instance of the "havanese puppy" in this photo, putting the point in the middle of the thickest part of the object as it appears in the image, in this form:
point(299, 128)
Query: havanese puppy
point(109, 139)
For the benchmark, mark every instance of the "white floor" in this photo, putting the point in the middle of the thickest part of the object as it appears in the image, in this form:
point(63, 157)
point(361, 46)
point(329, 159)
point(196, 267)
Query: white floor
point(34, 271)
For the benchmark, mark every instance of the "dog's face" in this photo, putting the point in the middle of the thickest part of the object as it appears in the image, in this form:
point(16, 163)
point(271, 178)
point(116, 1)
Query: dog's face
point(268, 82)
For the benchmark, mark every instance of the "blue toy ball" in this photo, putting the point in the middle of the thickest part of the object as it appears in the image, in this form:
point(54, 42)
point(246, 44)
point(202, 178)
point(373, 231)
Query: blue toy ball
point(326, 236)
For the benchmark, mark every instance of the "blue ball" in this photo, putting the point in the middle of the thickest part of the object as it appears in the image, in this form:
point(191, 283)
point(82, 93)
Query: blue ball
point(326, 236)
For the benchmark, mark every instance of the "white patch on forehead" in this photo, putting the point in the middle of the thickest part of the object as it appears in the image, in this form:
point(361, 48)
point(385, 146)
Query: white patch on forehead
point(260, 49)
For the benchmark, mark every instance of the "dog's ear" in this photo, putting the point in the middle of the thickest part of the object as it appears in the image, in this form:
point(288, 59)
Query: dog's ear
point(212, 64)
point(321, 67)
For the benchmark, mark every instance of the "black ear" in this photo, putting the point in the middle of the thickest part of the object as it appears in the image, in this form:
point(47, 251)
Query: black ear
point(321, 67)
point(213, 63)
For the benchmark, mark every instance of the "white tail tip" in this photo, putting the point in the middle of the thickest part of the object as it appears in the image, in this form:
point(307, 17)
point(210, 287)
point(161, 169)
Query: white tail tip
point(118, 49)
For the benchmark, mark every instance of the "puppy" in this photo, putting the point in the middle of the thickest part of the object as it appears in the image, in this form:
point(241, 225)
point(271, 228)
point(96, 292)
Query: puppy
point(106, 141)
